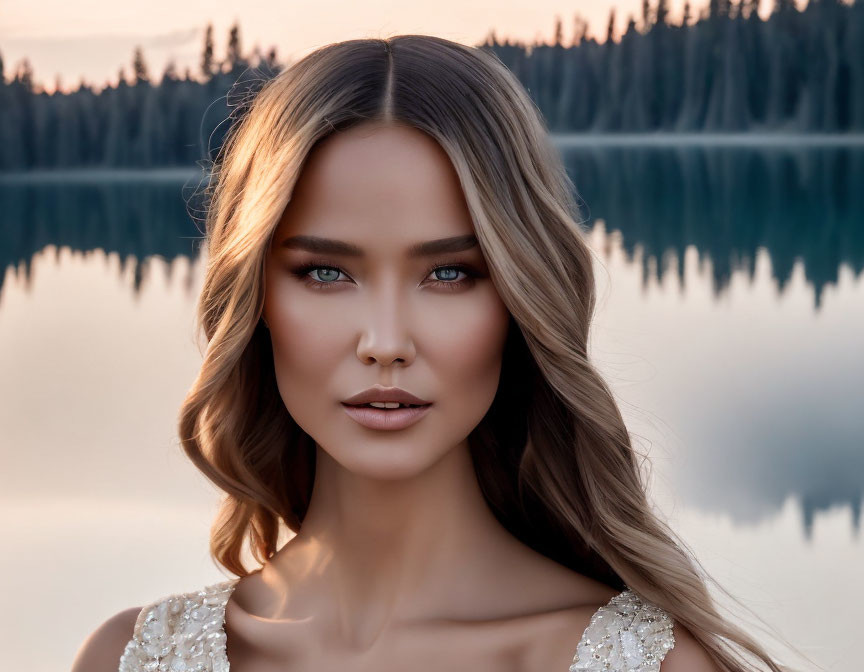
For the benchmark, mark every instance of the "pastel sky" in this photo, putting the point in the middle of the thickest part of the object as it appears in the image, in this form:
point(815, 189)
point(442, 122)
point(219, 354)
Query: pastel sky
point(93, 39)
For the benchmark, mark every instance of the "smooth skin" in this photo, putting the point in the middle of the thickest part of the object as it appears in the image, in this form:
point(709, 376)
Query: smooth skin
point(400, 564)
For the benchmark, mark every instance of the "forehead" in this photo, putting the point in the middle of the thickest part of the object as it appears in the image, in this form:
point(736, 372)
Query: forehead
point(377, 180)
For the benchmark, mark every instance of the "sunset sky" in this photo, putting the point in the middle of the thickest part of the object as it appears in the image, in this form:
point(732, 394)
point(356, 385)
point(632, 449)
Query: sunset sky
point(92, 39)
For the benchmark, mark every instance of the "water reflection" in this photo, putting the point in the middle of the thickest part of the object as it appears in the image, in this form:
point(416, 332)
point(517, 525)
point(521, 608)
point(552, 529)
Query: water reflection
point(728, 202)
point(134, 219)
point(744, 402)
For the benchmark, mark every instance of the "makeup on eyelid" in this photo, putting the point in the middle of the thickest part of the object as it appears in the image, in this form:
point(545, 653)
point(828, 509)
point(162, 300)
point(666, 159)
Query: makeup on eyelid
point(301, 272)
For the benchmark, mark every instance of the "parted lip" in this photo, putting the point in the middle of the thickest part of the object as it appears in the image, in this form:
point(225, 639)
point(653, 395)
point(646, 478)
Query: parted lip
point(378, 393)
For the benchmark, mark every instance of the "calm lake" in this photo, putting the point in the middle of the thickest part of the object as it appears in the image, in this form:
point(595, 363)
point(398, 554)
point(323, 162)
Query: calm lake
point(730, 324)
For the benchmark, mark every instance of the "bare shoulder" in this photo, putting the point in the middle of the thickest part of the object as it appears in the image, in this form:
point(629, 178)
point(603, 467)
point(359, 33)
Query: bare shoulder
point(551, 643)
point(688, 655)
point(102, 649)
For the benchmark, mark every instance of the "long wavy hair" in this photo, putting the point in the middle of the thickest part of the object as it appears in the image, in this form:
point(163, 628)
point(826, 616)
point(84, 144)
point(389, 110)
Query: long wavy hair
point(552, 455)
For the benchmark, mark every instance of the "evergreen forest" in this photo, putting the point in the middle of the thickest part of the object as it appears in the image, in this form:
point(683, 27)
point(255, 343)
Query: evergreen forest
point(728, 70)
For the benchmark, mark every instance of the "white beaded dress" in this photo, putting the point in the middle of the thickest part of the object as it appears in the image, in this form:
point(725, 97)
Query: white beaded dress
point(185, 633)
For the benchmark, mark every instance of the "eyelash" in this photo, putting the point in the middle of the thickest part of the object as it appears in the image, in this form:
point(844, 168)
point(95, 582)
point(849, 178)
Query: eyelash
point(301, 272)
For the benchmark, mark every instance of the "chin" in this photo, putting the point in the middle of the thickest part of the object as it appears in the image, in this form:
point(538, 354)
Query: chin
point(386, 461)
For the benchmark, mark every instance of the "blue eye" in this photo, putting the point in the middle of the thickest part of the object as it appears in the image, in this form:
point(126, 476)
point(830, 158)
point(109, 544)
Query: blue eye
point(327, 269)
point(330, 273)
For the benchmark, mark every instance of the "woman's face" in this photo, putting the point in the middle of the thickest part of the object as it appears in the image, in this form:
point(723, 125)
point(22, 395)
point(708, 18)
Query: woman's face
point(342, 322)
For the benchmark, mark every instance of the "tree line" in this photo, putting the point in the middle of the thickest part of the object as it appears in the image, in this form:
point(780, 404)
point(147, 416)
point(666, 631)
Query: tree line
point(726, 70)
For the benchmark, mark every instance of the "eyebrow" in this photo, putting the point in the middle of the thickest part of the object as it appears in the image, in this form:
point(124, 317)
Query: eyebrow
point(424, 249)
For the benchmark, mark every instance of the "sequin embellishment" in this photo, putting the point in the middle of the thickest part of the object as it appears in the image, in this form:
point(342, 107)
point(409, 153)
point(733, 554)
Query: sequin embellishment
point(181, 633)
point(186, 633)
point(626, 635)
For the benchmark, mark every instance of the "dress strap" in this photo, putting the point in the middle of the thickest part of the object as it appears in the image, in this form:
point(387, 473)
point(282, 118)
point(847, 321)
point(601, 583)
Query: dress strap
point(181, 632)
point(626, 635)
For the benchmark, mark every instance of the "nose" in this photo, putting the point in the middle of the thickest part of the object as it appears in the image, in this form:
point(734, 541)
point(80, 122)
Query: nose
point(387, 336)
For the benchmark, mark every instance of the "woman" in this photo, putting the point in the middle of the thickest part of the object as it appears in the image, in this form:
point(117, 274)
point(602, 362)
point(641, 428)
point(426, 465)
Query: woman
point(389, 224)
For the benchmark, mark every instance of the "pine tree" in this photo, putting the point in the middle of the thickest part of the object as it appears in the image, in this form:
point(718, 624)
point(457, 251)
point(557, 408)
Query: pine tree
point(558, 39)
point(233, 57)
point(139, 67)
point(647, 20)
point(662, 11)
point(580, 30)
point(25, 75)
point(207, 54)
point(271, 59)
point(610, 28)
point(170, 72)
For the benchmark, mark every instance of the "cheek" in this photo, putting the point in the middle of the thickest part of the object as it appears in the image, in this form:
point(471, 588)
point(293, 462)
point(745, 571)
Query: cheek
point(464, 350)
point(304, 328)
point(308, 340)
point(305, 338)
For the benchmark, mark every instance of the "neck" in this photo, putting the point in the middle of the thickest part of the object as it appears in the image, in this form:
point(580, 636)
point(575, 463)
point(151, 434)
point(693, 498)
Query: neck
point(375, 552)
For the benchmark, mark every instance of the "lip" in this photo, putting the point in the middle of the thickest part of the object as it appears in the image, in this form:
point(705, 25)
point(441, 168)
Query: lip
point(386, 419)
point(379, 393)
